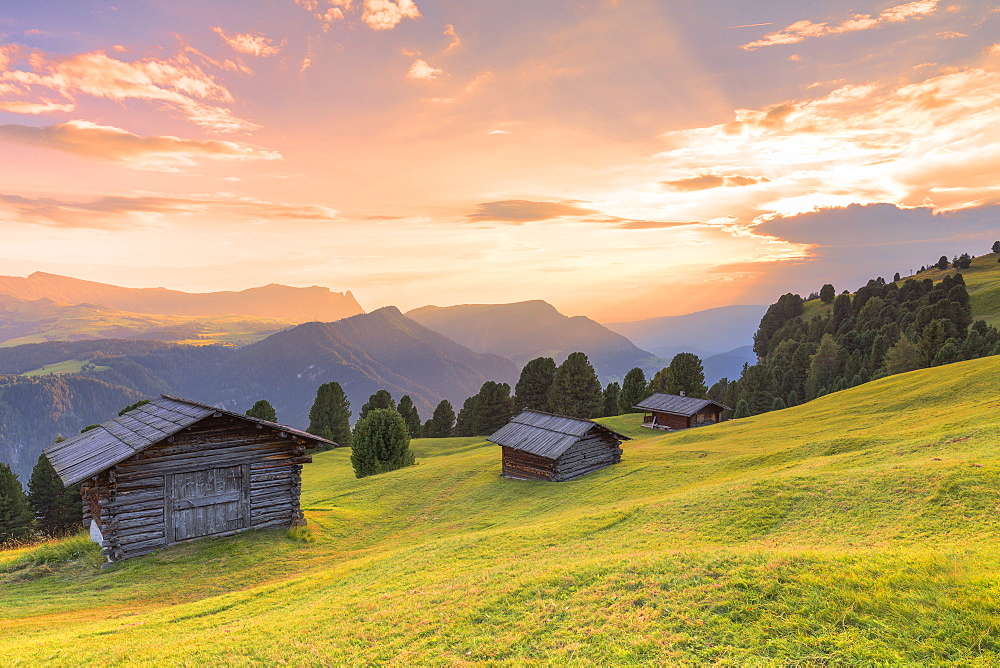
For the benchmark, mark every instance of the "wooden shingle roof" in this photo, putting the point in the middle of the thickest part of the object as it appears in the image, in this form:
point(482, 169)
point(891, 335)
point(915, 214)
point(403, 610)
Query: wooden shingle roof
point(675, 405)
point(87, 454)
point(545, 434)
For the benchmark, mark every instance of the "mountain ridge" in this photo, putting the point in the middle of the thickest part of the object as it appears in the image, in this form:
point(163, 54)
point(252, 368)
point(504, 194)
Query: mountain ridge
point(272, 301)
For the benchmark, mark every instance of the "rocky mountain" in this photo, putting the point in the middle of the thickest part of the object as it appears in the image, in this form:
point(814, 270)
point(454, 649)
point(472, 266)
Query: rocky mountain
point(525, 330)
point(364, 353)
point(705, 333)
point(275, 302)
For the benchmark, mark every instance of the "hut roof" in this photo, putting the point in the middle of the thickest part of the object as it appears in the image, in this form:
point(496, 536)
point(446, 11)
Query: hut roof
point(545, 434)
point(87, 454)
point(671, 403)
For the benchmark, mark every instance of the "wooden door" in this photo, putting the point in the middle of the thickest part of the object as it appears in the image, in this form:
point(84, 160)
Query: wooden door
point(207, 502)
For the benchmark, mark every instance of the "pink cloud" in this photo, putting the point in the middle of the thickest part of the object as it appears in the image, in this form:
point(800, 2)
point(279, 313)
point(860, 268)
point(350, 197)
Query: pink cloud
point(177, 83)
point(801, 30)
point(110, 143)
point(254, 44)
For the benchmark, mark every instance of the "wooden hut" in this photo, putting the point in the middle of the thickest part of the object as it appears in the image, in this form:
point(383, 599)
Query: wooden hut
point(173, 470)
point(542, 446)
point(671, 411)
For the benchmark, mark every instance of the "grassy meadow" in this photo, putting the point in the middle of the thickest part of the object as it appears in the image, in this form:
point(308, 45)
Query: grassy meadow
point(862, 527)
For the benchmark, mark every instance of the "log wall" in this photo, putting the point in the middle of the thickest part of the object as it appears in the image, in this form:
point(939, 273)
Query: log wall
point(526, 466)
point(134, 501)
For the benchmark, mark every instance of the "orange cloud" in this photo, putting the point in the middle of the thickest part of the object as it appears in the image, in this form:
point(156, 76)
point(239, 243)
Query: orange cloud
point(387, 14)
point(120, 212)
point(42, 107)
point(254, 44)
point(707, 181)
point(110, 143)
point(802, 30)
point(421, 70)
point(175, 82)
point(518, 211)
point(456, 42)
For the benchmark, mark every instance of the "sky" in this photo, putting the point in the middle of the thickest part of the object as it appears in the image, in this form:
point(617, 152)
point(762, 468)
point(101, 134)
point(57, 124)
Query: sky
point(620, 159)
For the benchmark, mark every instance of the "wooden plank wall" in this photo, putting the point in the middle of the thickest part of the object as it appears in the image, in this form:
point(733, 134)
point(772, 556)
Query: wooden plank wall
point(593, 452)
point(132, 494)
point(526, 466)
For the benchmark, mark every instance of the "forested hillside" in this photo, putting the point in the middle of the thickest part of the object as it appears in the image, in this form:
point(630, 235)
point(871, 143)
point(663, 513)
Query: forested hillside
point(809, 348)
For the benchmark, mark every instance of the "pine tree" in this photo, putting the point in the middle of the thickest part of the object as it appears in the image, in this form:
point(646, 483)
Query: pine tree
point(130, 407)
point(442, 423)
point(15, 513)
point(381, 399)
point(263, 410)
point(896, 278)
point(57, 509)
point(824, 365)
point(576, 392)
point(410, 415)
point(330, 415)
point(493, 408)
point(463, 423)
point(633, 391)
point(659, 383)
point(532, 389)
point(827, 294)
point(779, 404)
point(611, 393)
point(996, 246)
point(380, 443)
point(742, 410)
point(687, 375)
point(942, 263)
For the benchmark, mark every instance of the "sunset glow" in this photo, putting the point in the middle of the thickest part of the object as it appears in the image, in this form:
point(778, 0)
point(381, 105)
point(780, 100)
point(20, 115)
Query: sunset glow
point(619, 159)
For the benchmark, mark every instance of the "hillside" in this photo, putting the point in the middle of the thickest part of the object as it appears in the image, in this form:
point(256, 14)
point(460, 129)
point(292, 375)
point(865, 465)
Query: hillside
point(273, 302)
point(705, 333)
point(23, 321)
point(526, 330)
point(859, 528)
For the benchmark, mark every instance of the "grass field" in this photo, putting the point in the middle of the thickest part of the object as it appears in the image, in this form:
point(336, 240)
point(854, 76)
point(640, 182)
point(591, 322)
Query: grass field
point(67, 366)
point(862, 527)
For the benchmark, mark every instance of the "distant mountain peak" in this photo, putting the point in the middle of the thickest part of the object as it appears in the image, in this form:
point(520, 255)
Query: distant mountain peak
point(273, 301)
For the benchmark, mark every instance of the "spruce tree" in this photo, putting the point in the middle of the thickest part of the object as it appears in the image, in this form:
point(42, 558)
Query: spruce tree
point(381, 399)
point(263, 410)
point(442, 423)
point(463, 422)
point(330, 415)
point(380, 443)
point(493, 408)
point(532, 389)
point(15, 513)
point(611, 393)
point(687, 376)
point(58, 510)
point(633, 391)
point(742, 410)
point(576, 392)
point(779, 404)
point(410, 415)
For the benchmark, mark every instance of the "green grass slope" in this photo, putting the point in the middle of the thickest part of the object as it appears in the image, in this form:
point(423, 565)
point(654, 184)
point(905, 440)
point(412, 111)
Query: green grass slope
point(859, 528)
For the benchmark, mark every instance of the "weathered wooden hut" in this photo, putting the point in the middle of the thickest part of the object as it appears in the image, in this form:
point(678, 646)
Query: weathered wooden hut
point(173, 470)
point(671, 411)
point(542, 446)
